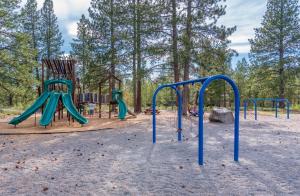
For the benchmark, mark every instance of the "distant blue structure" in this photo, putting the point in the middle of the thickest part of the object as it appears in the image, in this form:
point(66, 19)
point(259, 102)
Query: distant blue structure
point(205, 82)
point(275, 100)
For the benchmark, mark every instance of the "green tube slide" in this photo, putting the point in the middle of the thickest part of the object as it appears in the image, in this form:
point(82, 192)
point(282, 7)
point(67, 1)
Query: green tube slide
point(31, 110)
point(68, 103)
point(50, 109)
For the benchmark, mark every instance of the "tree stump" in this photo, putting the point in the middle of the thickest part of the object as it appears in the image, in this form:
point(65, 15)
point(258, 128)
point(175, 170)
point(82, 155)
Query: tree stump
point(222, 115)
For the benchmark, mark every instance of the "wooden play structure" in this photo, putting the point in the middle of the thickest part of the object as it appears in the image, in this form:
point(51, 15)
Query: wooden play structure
point(108, 81)
point(60, 68)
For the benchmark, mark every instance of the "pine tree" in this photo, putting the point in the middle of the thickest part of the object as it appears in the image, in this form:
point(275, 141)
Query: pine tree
point(30, 21)
point(51, 38)
point(81, 46)
point(199, 25)
point(106, 32)
point(241, 77)
point(16, 56)
point(276, 47)
point(146, 23)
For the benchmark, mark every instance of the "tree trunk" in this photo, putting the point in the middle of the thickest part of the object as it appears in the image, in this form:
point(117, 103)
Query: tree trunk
point(48, 46)
point(174, 42)
point(281, 59)
point(112, 44)
point(10, 100)
point(37, 74)
point(187, 59)
point(84, 62)
point(134, 57)
point(139, 61)
point(113, 50)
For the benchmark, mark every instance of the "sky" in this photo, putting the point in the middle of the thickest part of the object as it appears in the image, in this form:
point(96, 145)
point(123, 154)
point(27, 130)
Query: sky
point(245, 14)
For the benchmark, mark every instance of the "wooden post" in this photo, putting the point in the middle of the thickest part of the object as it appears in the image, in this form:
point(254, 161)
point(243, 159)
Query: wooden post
point(110, 98)
point(43, 78)
point(100, 100)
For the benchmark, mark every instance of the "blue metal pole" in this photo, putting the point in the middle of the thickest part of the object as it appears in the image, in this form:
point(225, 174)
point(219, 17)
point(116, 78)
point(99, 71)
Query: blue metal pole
point(245, 109)
point(200, 124)
point(255, 110)
point(154, 111)
point(179, 114)
point(201, 112)
point(154, 116)
point(276, 108)
point(288, 109)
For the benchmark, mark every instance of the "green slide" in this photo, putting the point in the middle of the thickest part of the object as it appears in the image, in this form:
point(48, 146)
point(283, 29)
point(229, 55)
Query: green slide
point(117, 96)
point(122, 109)
point(31, 110)
point(68, 103)
point(50, 109)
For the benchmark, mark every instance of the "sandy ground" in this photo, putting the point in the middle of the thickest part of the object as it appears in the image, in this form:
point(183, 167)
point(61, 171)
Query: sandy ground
point(31, 125)
point(123, 161)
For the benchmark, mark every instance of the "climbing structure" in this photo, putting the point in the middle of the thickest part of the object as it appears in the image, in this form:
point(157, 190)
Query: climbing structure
point(115, 97)
point(54, 97)
point(58, 69)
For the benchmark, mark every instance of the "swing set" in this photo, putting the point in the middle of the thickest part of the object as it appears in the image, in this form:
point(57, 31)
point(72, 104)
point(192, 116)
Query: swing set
point(276, 101)
point(206, 81)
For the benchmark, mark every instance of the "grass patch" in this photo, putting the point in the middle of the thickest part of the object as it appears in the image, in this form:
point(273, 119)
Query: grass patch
point(4, 112)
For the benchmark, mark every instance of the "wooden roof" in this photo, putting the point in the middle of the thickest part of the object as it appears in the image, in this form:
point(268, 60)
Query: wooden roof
point(61, 67)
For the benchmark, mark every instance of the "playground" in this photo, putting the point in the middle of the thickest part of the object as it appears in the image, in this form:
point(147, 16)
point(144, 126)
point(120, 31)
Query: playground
point(68, 142)
point(149, 97)
point(63, 144)
point(124, 161)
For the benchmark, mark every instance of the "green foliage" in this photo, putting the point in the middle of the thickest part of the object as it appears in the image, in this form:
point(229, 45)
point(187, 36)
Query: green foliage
point(81, 49)
point(30, 22)
point(134, 37)
point(51, 38)
point(16, 57)
point(275, 48)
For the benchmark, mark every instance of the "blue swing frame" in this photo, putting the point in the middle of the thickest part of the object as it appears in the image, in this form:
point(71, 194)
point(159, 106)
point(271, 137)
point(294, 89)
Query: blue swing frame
point(276, 100)
point(205, 83)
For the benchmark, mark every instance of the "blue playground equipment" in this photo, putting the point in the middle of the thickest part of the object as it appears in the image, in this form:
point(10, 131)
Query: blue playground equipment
point(205, 82)
point(275, 100)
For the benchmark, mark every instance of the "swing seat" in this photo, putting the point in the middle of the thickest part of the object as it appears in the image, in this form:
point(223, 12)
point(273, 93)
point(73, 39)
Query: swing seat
point(193, 113)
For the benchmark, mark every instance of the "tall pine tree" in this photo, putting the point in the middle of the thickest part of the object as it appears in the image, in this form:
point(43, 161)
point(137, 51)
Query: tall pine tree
point(106, 16)
point(276, 46)
point(81, 46)
point(51, 38)
point(16, 56)
point(30, 22)
point(199, 25)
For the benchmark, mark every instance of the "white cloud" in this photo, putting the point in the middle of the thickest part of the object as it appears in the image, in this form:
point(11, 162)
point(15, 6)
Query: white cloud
point(241, 48)
point(66, 8)
point(68, 12)
point(72, 29)
point(62, 8)
point(246, 15)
